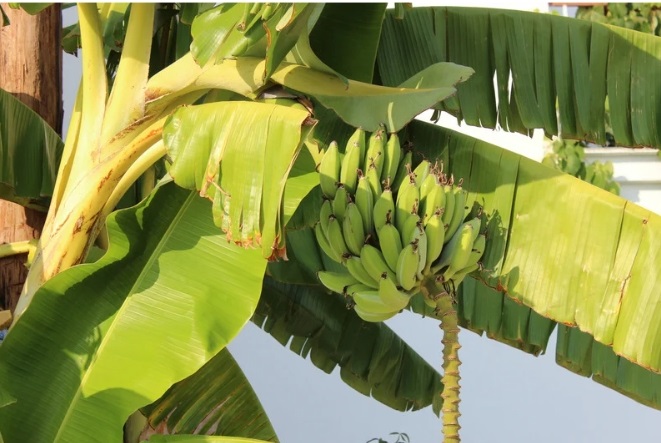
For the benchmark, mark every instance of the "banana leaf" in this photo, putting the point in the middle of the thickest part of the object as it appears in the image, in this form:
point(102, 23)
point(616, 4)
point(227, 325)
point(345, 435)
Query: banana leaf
point(574, 64)
point(228, 151)
point(101, 340)
point(573, 253)
point(216, 400)
point(30, 152)
point(373, 360)
point(580, 353)
point(349, 23)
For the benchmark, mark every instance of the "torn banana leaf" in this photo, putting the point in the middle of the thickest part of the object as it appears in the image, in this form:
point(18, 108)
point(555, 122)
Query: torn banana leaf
point(373, 360)
point(238, 155)
point(572, 252)
point(553, 63)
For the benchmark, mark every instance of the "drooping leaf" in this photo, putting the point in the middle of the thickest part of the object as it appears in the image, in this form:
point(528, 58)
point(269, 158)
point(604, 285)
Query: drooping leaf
point(30, 153)
point(200, 439)
point(572, 252)
point(577, 64)
point(580, 353)
point(216, 400)
point(238, 154)
point(102, 340)
point(372, 358)
point(336, 32)
point(366, 105)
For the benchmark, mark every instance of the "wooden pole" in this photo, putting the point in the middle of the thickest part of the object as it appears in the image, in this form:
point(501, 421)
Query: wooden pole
point(31, 70)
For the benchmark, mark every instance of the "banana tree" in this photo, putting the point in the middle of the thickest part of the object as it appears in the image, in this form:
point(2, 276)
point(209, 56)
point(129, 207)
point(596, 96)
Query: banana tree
point(214, 120)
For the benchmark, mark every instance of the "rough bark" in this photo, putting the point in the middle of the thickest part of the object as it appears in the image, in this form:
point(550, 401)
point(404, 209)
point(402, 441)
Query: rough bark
point(32, 71)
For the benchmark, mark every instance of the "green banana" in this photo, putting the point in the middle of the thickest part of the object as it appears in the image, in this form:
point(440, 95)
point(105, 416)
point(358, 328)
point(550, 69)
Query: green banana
point(340, 203)
point(407, 267)
point(459, 210)
point(421, 172)
point(431, 180)
point(325, 212)
point(325, 245)
point(358, 271)
point(353, 155)
point(403, 171)
point(370, 301)
point(352, 229)
point(390, 244)
point(336, 281)
point(433, 200)
point(456, 253)
point(419, 237)
point(406, 203)
point(336, 238)
point(384, 209)
point(448, 190)
point(352, 289)
point(374, 181)
point(458, 277)
point(475, 256)
point(365, 202)
point(373, 317)
point(329, 171)
point(409, 226)
point(375, 157)
point(392, 155)
point(374, 263)
point(435, 238)
point(391, 296)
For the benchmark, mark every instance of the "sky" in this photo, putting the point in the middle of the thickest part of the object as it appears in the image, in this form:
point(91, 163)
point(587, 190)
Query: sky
point(507, 395)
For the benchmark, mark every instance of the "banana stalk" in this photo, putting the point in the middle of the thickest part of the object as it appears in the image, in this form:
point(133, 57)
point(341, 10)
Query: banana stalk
point(82, 212)
point(450, 326)
point(127, 99)
point(94, 87)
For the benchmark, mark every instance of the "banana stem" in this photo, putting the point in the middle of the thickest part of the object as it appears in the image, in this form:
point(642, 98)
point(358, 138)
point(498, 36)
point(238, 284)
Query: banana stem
point(451, 363)
point(450, 325)
point(127, 99)
point(142, 164)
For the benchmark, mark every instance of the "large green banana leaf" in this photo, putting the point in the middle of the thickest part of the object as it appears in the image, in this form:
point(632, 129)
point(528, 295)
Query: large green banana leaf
point(102, 340)
point(373, 360)
point(229, 151)
point(216, 400)
point(30, 153)
point(572, 252)
point(570, 65)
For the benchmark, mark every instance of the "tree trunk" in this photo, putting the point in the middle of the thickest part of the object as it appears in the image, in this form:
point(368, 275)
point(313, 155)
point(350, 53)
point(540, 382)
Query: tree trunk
point(32, 71)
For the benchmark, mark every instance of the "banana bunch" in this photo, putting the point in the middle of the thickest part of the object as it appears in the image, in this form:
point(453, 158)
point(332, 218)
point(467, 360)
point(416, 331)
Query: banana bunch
point(391, 226)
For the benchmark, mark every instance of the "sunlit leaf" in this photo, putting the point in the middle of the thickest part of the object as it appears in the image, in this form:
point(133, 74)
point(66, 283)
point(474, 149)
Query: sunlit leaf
point(238, 154)
point(550, 61)
point(572, 252)
point(102, 340)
